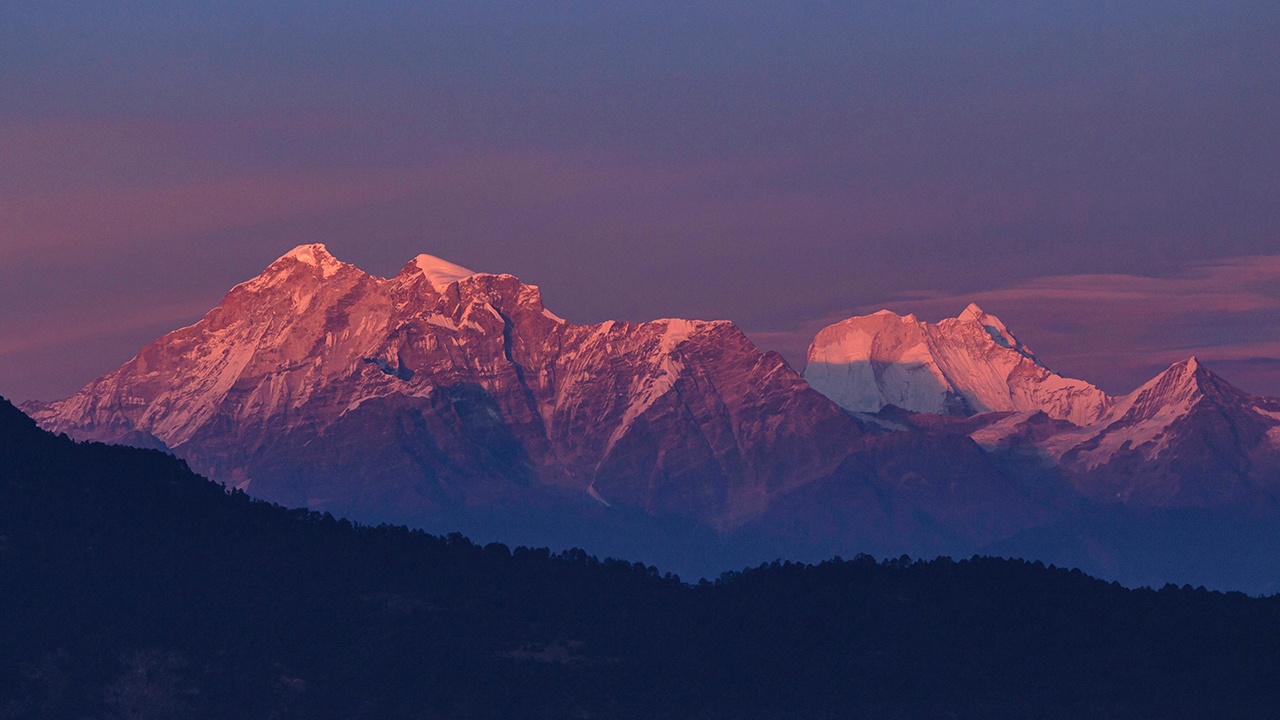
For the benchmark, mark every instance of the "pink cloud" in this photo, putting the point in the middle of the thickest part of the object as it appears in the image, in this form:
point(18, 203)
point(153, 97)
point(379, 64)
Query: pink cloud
point(59, 334)
point(1234, 286)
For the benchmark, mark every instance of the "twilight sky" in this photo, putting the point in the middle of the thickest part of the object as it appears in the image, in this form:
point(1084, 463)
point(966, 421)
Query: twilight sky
point(1104, 176)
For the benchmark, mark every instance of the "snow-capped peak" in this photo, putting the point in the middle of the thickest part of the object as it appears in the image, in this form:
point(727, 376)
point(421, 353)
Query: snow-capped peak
point(1176, 387)
point(966, 364)
point(972, 312)
point(440, 273)
point(1183, 382)
point(1142, 420)
point(994, 327)
point(311, 254)
point(1189, 372)
point(302, 257)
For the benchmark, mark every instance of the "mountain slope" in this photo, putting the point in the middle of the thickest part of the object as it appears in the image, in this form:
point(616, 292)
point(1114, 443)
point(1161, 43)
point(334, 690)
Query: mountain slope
point(443, 389)
point(1186, 437)
point(960, 366)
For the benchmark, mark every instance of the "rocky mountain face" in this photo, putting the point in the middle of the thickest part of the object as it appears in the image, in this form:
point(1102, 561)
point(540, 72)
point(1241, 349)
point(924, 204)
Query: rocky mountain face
point(965, 365)
point(1185, 438)
point(316, 383)
point(449, 399)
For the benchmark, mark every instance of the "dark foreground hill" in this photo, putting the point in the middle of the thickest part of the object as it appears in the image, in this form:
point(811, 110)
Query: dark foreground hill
point(132, 588)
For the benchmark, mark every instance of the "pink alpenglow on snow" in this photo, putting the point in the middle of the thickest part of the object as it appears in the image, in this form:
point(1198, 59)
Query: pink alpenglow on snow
point(960, 366)
point(454, 387)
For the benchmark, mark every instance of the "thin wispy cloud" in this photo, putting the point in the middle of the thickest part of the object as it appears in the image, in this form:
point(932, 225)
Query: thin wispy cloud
point(68, 335)
point(1116, 330)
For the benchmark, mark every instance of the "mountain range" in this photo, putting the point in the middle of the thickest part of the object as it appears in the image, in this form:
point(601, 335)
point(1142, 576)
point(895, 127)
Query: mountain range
point(451, 399)
point(1185, 438)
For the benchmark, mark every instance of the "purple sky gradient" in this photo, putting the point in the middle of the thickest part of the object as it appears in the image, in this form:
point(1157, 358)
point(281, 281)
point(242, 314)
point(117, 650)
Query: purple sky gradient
point(1103, 176)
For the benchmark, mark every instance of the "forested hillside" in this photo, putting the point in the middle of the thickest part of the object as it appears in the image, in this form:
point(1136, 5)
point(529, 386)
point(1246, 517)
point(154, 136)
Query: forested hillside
point(132, 588)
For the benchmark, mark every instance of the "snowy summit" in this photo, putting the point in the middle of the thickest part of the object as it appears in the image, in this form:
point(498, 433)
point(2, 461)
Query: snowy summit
point(440, 273)
point(960, 366)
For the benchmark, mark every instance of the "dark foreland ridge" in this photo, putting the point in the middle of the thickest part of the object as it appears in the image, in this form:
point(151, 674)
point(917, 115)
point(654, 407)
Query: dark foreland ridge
point(132, 588)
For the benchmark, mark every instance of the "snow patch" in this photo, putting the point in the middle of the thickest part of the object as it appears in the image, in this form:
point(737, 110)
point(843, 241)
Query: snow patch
point(595, 495)
point(307, 253)
point(440, 273)
point(991, 436)
point(677, 331)
point(442, 321)
point(315, 255)
point(1138, 421)
point(646, 389)
point(971, 312)
point(1273, 437)
point(968, 363)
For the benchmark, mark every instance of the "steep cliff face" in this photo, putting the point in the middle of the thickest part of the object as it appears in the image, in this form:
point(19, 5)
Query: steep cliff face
point(318, 383)
point(960, 366)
